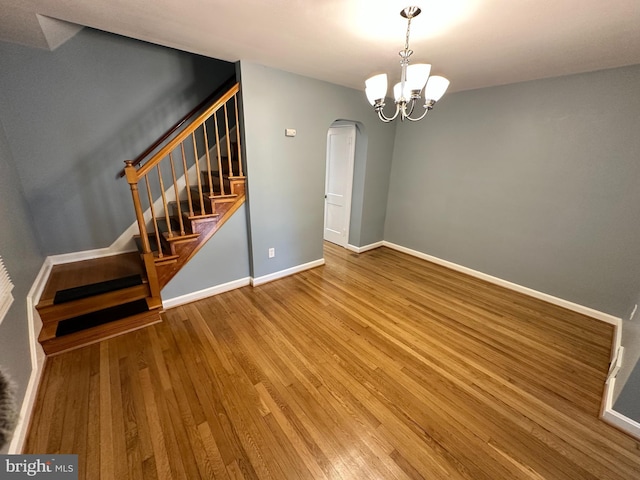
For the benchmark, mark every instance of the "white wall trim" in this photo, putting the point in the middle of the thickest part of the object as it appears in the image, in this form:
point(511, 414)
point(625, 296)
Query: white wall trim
point(365, 248)
point(614, 418)
point(85, 255)
point(207, 292)
point(607, 413)
point(37, 359)
point(605, 317)
point(285, 273)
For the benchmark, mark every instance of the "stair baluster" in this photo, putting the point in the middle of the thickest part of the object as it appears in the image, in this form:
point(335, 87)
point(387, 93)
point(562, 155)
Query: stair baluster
point(153, 217)
point(206, 144)
point(164, 202)
point(215, 121)
point(226, 125)
point(177, 194)
point(238, 152)
point(197, 163)
point(186, 179)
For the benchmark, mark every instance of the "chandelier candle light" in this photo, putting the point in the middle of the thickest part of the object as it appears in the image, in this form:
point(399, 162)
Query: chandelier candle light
point(412, 80)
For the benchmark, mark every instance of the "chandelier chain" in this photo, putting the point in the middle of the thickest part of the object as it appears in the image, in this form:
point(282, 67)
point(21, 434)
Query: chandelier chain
point(406, 42)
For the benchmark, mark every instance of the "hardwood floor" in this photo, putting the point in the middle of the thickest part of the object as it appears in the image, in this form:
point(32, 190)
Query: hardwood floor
point(375, 366)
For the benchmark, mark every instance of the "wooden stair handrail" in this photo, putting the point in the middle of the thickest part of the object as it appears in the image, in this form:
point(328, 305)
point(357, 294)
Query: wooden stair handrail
point(136, 161)
point(169, 147)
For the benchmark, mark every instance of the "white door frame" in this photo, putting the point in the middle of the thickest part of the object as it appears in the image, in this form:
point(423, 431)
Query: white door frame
point(351, 130)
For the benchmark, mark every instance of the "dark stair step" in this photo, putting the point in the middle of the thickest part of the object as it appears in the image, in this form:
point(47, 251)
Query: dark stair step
point(100, 317)
point(215, 181)
point(85, 291)
point(195, 198)
point(163, 225)
point(153, 244)
point(224, 162)
point(97, 332)
point(195, 202)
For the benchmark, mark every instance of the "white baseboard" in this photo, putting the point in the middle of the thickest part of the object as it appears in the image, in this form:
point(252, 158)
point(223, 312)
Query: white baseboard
point(590, 312)
point(607, 413)
point(215, 290)
point(285, 273)
point(86, 255)
point(618, 420)
point(207, 292)
point(37, 358)
point(365, 248)
point(26, 411)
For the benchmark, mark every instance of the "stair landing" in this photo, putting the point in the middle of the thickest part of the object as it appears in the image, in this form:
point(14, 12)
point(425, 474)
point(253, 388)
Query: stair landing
point(86, 272)
point(89, 273)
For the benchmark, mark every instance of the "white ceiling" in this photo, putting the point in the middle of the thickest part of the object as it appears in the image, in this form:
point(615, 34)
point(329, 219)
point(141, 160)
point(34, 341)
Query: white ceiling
point(474, 43)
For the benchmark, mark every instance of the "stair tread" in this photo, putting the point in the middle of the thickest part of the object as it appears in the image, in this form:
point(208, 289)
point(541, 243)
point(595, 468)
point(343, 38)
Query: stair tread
point(92, 289)
point(196, 194)
point(202, 216)
point(51, 313)
point(86, 272)
point(224, 198)
point(180, 238)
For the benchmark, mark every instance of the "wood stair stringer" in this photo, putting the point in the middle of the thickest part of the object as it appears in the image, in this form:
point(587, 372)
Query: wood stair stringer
point(206, 226)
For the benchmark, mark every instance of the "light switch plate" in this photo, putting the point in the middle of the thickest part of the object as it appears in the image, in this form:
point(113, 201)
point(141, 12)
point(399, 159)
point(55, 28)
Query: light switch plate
point(290, 132)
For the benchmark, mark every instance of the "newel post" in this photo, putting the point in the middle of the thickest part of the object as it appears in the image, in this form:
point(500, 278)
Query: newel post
point(147, 256)
point(132, 178)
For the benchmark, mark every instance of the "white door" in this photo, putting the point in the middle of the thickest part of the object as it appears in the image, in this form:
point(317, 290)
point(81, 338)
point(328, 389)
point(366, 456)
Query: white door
point(339, 181)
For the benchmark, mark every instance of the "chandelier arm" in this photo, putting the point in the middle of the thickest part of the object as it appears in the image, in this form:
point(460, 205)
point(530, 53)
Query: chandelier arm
point(426, 110)
point(386, 119)
point(413, 104)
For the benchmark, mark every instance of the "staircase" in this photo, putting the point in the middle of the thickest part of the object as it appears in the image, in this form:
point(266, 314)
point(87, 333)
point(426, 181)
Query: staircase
point(182, 195)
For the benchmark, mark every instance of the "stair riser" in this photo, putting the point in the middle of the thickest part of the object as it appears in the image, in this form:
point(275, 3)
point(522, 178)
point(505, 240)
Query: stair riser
point(93, 335)
point(63, 311)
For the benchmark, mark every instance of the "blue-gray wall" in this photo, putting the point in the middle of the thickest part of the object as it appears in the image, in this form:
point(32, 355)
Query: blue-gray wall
point(286, 175)
point(535, 183)
point(628, 401)
point(72, 116)
point(22, 259)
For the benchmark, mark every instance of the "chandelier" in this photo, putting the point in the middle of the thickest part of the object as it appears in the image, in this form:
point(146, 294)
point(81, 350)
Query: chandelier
point(413, 79)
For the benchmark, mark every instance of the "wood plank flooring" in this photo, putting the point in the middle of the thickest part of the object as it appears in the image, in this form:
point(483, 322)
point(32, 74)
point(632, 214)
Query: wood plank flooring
point(374, 366)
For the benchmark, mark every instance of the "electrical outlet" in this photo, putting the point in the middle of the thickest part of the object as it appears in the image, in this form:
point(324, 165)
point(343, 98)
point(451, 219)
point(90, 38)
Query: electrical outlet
point(272, 252)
